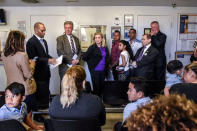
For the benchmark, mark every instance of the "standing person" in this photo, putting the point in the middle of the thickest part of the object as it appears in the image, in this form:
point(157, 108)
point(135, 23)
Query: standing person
point(158, 41)
point(68, 45)
point(124, 60)
point(144, 61)
point(115, 53)
point(16, 65)
point(134, 43)
point(97, 57)
point(37, 47)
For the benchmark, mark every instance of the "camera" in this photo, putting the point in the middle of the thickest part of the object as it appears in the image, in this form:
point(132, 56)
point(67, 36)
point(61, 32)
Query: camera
point(195, 44)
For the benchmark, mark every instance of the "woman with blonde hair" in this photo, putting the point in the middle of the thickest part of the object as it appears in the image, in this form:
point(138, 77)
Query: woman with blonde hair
point(189, 87)
point(73, 103)
point(97, 57)
point(17, 68)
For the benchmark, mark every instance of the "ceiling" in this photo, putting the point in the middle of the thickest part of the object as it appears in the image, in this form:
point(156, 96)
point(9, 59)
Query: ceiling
point(178, 3)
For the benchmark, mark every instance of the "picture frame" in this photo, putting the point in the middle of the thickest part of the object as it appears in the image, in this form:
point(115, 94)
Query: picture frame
point(128, 20)
point(126, 31)
point(147, 30)
point(113, 29)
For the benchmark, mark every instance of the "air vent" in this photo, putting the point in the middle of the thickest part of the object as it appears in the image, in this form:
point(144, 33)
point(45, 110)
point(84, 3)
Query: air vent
point(71, 0)
point(31, 1)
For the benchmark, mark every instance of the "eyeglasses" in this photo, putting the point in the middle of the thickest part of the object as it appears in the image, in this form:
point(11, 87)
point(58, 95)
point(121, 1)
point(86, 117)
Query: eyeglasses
point(43, 31)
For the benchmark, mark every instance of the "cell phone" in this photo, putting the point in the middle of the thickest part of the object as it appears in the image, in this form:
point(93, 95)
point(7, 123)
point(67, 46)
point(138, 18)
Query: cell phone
point(195, 44)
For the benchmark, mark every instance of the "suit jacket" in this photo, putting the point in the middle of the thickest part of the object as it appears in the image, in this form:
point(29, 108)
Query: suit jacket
point(145, 67)
point(63, 48)
point(35, 49)
point(93, 56)
point(17, 70)
point(158, 41)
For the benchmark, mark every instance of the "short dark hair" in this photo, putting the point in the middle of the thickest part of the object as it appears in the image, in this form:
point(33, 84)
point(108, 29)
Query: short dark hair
point(139, 84)
point(117, 31)
point(16, 88)
point(173, 66)
point(133, 30)
point(148, 36)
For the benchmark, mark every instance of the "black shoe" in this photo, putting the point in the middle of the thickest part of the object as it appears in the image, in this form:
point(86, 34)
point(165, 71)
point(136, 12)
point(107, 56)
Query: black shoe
point(39, 118)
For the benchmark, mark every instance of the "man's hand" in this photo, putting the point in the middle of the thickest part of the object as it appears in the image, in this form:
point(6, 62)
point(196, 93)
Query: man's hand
point(52, 61)
point(74, 62)
point(134, 64)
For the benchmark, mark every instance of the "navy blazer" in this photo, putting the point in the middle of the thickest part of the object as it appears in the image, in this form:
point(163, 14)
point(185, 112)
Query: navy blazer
point(145, 67)
point(35, 49)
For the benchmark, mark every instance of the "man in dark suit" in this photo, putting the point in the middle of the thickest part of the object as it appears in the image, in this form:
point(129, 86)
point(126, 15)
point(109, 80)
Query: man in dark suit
point(158, 41)
point(68, 45)
point(145, 59)
point(37, 48)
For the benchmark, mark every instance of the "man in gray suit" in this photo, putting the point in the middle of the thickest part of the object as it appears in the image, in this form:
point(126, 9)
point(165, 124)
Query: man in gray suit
point(68, 45)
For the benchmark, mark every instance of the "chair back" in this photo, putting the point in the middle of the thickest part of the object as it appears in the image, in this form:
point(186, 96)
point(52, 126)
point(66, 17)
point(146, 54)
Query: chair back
point(115, 92)
point(11, 125)
point(71, 125)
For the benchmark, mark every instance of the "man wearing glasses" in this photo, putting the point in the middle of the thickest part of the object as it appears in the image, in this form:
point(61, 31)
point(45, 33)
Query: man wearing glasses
point(37, 49)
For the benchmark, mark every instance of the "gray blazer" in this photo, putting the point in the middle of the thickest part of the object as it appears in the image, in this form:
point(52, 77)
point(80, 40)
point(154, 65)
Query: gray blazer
point(63, 48)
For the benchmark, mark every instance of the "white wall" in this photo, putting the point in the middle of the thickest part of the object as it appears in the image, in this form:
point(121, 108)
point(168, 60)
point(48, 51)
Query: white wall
point(93, 15)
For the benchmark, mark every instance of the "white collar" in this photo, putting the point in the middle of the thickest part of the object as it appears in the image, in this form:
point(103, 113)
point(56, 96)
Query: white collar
point(38, 37)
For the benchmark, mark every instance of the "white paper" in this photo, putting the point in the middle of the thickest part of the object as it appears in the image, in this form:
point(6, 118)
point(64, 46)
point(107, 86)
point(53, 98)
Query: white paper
point(58, 62)
point(74, 58)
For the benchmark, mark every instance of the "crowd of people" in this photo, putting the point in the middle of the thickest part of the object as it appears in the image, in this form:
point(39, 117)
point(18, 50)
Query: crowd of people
point(28, 78)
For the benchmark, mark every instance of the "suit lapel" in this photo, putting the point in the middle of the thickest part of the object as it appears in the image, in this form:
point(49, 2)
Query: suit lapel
point(66, 41)
point(40, 45)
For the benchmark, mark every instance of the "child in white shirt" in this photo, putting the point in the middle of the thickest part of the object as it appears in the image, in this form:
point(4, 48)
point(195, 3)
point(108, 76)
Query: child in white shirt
point(124, 59)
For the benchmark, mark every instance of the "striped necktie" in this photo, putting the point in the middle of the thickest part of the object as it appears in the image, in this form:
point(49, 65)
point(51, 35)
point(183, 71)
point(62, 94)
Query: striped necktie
point(72, 45)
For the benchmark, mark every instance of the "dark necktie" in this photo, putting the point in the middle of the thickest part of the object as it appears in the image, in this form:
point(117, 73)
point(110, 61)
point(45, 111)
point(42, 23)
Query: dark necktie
point(72, 45)
point(141, 54)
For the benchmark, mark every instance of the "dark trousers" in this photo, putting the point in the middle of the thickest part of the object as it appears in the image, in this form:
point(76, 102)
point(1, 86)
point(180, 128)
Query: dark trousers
point(98, 78)
point(42, 94)
point(160, 73)
point(115, 73)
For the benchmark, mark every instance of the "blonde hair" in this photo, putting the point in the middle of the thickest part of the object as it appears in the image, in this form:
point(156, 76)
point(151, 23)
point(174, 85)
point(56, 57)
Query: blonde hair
point(72, 83)
point(103, 41)
point(192, 66)
point(175, 113)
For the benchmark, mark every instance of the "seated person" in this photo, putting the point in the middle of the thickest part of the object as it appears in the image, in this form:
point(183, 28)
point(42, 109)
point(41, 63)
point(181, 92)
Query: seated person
point(174, 113)
point(136, 95)
point(193, 57)
point(14, 107)
point(189, 87)
point(73, 103)
point(173, 76)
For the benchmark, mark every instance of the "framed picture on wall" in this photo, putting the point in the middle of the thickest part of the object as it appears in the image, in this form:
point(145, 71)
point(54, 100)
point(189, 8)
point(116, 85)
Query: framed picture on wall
point(126, 31)
point(147, 30)
point(128, 20)
point(113, 29)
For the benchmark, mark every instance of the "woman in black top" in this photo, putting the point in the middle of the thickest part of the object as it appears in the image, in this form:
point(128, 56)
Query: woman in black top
point(73, 103)
point(97, 57)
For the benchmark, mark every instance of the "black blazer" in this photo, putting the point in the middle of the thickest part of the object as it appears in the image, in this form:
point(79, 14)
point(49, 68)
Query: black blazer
point(145, 67)
point(158, 41)
point(93, 56)
point(34, 48)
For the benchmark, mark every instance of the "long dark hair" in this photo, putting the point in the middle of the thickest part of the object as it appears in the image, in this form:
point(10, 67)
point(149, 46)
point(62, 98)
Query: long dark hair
point(128, 48)
point(14, 43)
